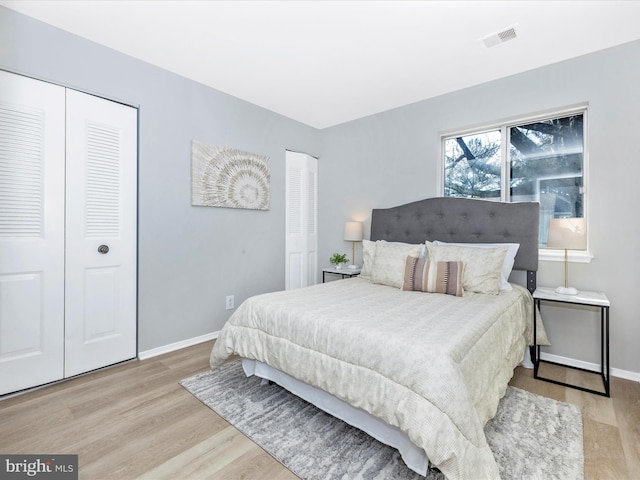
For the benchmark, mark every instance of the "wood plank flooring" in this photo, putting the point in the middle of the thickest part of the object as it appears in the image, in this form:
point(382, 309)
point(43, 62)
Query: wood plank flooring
point(135, 421)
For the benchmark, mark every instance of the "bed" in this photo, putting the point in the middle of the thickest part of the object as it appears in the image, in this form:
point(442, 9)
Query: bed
point(417, 353)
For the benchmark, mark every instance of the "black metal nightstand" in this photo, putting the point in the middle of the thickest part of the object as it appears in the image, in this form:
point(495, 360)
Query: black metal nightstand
point(346, 272)
point(589, 299)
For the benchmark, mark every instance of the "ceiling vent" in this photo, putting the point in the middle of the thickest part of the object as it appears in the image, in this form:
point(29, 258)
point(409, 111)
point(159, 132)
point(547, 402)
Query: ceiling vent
point(500, 37)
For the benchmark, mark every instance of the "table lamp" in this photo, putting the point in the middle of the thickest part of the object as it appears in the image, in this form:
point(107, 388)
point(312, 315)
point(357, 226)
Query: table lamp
point(353, 233)
point(569, 234)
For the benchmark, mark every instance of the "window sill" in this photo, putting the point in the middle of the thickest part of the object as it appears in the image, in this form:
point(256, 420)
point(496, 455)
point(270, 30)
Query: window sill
point(548, 255)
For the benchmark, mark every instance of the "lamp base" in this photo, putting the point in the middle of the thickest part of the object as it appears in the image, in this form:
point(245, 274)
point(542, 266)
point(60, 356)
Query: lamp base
point(566, 291)
point(354, 267)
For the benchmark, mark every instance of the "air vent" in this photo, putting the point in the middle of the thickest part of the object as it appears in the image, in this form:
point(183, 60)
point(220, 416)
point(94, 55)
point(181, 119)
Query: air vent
point(500, 37)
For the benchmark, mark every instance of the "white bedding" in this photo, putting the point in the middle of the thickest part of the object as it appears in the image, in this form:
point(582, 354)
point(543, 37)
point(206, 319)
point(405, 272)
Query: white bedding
point(433, 365)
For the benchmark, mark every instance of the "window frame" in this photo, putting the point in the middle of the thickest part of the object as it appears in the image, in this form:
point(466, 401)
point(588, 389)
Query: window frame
point(546, 254)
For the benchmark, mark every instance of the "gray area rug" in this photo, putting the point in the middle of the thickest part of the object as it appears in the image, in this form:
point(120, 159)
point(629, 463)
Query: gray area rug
point(532, 437)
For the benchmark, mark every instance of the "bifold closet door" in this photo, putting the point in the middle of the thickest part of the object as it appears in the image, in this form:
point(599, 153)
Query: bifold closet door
point(68, 241)
point(32, 176)
point(101, 225)
point(301, 220)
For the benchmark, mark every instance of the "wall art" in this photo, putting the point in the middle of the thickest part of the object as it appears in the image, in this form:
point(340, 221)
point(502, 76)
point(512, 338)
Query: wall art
point(228, 177)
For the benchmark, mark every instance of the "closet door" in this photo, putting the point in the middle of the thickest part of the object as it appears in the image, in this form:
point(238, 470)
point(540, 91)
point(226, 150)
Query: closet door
point(101, 222)
point(301, 243)
point(31, 232)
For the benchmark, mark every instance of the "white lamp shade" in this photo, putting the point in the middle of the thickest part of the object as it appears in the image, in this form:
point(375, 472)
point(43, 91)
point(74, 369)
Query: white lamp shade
point(567, 233)
point(353, 231)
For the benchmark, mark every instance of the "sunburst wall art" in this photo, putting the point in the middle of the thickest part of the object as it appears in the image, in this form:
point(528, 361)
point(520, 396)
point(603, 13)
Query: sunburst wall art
point(227, 177)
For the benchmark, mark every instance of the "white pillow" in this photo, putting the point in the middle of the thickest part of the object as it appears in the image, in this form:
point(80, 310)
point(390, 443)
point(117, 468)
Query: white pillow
point(509, 258)
point(389, 262)
point(482, 266)
point(368, 256)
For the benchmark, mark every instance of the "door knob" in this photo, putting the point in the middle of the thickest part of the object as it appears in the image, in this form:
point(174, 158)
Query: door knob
point(103, 249)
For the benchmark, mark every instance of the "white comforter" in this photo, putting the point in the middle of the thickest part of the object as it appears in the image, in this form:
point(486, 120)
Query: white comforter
point(433, 365)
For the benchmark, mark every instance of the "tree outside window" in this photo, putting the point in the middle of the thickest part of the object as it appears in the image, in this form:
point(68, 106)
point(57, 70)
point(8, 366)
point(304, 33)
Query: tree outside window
point(541, 160)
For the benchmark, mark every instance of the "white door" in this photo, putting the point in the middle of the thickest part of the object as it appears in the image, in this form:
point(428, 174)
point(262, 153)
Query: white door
point(101, 222)
point(301, 244)
point(32, 179)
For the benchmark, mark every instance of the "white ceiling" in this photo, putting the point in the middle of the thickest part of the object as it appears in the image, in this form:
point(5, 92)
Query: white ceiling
point(327, 62)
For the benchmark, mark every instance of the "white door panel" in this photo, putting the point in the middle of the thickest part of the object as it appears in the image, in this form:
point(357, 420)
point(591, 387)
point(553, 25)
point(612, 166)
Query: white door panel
point(100, 324)
point(294, 271)
point(312, 221)
point(301, 241)
point(21, 299)
point(31, 232)
point(294, 240)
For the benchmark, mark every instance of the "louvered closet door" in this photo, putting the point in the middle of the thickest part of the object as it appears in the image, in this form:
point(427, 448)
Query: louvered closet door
point(311, 206)
point(31, 232)
point(301, 246)
point(100, 323)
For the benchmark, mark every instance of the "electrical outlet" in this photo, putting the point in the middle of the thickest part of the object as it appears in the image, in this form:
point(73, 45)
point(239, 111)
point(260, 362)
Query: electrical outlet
point(229, 302)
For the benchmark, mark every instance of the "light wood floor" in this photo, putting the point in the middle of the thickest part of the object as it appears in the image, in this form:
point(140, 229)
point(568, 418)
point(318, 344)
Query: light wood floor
point(135, 421)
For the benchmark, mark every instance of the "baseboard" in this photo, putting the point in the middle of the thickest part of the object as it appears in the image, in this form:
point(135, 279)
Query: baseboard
point(615, 372)
point(154, 352)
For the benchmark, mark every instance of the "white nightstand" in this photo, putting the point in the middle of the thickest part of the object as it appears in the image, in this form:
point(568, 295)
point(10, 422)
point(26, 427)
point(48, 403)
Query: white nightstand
point(584, 298)
point(346, 272)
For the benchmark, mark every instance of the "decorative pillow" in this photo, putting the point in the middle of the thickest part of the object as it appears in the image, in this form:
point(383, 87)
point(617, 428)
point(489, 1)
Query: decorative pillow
point(482, 266)
point(368, 255)
point(389, 260)
point(433, 277)
point(509, 258)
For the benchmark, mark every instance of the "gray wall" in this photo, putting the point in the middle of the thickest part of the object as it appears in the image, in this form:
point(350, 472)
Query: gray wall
point(393, 158)
point(190, 258)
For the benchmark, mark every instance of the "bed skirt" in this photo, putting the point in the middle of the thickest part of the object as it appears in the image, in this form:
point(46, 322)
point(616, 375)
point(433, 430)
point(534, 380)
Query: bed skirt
point(414, 457)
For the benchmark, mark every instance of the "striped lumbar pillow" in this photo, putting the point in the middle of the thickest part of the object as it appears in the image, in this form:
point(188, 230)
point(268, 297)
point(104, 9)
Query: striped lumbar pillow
point(433, 277)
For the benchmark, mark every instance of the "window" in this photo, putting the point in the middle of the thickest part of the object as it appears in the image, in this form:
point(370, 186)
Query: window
point(537, 159)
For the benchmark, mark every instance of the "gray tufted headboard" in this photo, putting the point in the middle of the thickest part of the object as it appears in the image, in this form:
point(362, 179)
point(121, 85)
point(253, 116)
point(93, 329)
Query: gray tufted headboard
point(454, 219)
